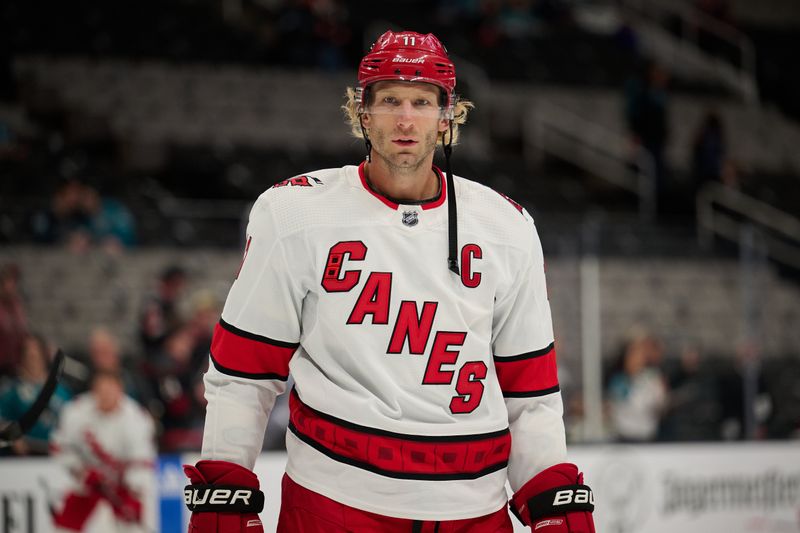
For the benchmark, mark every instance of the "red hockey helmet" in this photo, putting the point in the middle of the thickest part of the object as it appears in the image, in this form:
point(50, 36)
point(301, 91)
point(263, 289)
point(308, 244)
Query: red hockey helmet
point(409, 56)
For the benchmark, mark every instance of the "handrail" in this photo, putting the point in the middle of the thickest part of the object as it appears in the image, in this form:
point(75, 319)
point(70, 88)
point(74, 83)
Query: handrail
point(784, 249)
point(725, 31)
point(589, 133)
point(592, 146)
point(692, 17)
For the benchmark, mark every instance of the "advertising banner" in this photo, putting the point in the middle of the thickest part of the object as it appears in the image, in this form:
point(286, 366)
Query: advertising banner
point(697, 488)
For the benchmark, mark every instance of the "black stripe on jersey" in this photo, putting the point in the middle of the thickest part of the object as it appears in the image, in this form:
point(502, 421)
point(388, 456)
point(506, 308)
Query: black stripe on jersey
point(402, 436)
point(240, 374)
point(256, 337)
point(531, 394)
point(530, 355)
point(389, 473)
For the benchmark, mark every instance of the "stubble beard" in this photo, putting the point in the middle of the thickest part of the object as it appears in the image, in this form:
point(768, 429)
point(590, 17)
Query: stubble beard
point(380, 139)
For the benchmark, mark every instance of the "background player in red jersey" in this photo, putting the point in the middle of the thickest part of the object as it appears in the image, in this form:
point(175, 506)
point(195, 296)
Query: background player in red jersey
point(410, 307)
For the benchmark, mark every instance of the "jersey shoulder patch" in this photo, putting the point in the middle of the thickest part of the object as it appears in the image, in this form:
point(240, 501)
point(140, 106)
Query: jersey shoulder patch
point(294, 203)
point(494, 200)
point(300, 188)
point(514, 203)
point(305, 180)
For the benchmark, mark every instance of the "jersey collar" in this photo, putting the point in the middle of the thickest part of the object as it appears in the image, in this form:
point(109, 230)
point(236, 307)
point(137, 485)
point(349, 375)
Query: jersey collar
point(394, 205)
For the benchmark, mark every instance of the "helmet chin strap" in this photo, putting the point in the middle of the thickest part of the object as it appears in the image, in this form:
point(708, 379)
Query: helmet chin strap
point(367, 142)
point(452, 211)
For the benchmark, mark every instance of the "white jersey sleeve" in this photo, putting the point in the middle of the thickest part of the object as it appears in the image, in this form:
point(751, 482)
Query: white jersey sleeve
point(256, 337)
point(525, 361)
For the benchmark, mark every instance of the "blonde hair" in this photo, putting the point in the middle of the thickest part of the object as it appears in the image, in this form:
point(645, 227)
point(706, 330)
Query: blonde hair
point(461, 109)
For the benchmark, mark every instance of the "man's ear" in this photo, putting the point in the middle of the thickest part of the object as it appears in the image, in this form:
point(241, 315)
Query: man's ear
point(444, 125)
point(365, 118)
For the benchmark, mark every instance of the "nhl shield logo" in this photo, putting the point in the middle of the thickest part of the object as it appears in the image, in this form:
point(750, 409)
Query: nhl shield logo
point(410, 218)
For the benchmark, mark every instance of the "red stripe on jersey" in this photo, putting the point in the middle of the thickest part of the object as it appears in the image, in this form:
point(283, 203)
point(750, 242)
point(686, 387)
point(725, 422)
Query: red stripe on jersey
point(530, 374)
point(398, 455)
point(239, 353)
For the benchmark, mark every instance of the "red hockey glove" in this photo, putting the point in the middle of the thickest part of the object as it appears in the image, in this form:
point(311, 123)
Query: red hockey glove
point(555, 501)
point(99, 479)
point(126, 504)
point(223, 498)
point(94, 478)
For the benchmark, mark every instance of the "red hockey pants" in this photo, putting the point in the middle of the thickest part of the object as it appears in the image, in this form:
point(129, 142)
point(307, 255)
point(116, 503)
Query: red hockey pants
point(305, 511)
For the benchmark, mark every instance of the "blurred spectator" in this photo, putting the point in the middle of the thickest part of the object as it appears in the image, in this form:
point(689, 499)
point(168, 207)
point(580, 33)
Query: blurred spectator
point(22, 392)
point(636, 392)
point(576, 425)
point(627, 37)
point(332, 33)
point(13, 320)
point(488, 29)
point(783, 388)
point(105, 355)
point(732, 380)
point(709, 151)
point(161, 315)
point(694, 410)
point(111, 223)
point(297, 27)
point(646, 112)
point(204, 315)
point(55, 224)
point(178, 382)
point(79, 217)
point(177, 370)
point(516, 19)
point(10, 146)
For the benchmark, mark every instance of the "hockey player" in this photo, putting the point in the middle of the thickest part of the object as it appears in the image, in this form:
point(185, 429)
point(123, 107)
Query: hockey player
point(105, 439)
point(411, 310)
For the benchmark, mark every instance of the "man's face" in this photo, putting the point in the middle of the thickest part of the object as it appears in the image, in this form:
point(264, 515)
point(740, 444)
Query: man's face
point(107, 393)
point(403, 122)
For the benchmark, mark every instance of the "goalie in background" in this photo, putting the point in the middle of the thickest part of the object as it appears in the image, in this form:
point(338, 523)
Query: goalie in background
point(106, 441)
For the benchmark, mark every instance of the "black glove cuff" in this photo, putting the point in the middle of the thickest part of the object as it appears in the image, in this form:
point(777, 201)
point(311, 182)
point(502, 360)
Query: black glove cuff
point(223, 499)
point(561, 500)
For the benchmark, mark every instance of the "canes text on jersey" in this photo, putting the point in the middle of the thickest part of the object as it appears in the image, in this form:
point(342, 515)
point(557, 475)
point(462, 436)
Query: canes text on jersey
point(411, 325)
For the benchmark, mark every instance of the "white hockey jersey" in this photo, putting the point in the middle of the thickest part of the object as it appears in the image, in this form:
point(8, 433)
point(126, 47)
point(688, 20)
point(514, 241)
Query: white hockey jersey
point(418, 392)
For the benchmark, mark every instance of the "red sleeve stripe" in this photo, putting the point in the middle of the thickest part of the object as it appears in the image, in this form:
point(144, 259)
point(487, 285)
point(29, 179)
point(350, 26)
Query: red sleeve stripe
point(401, 456)
point(528, 375)
point(256, 337)
point(239, 353)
